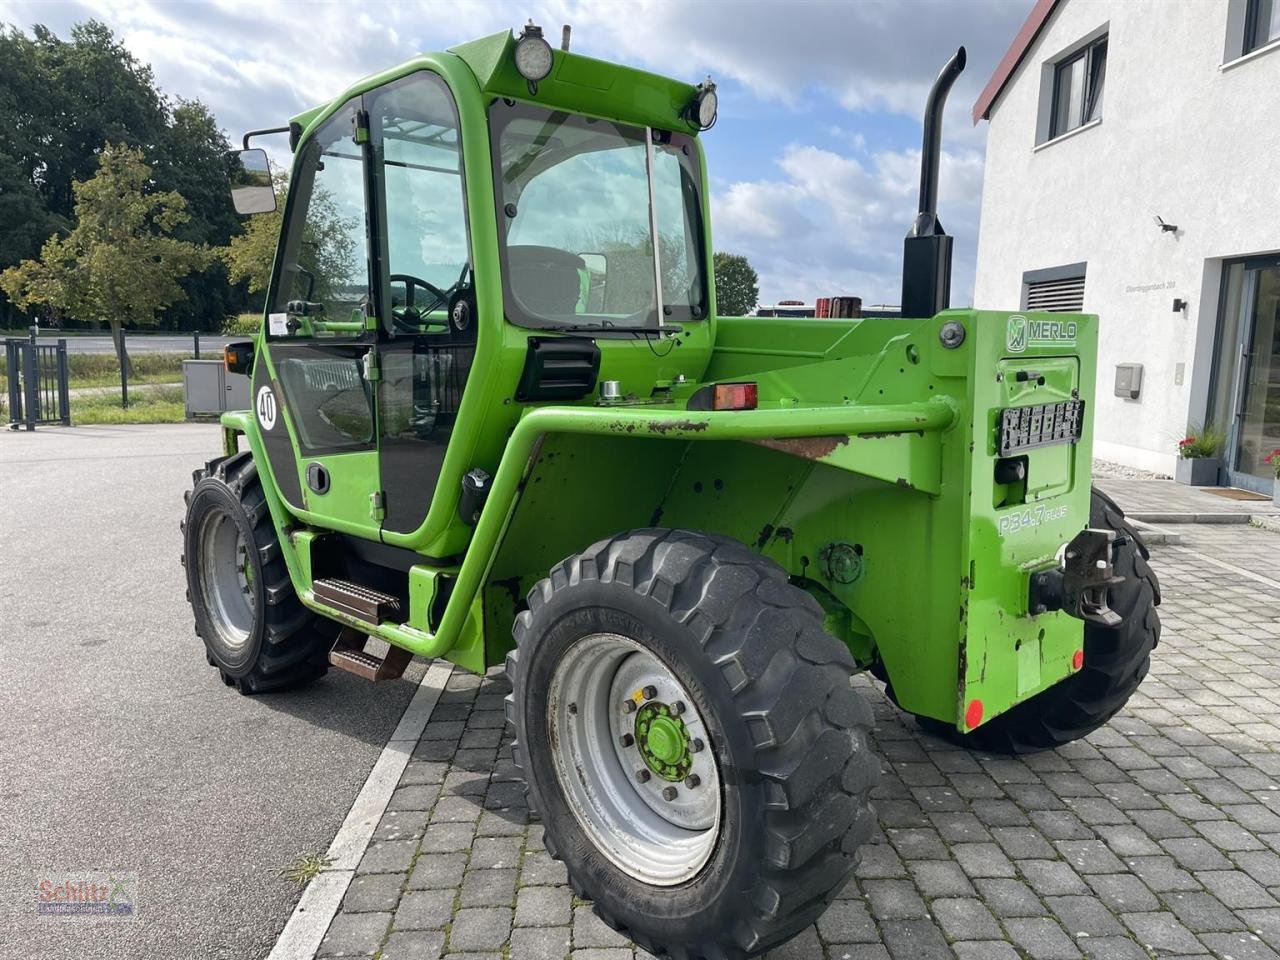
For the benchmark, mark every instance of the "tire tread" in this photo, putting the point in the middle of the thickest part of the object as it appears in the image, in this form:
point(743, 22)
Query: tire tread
point(766, 637)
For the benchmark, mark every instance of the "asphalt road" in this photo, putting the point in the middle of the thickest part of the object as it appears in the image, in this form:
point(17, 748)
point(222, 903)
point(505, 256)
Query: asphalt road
point(123, 751)
point(180, 343)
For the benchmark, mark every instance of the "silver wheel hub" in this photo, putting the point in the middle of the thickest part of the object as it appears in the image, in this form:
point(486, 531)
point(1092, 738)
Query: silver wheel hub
point(635, 759)
point(226, 579)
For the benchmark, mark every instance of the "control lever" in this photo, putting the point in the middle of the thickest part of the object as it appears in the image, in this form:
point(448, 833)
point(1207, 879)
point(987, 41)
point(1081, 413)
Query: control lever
point(304, 308)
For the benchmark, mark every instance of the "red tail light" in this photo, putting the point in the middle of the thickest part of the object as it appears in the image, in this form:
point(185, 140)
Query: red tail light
point(734, 396)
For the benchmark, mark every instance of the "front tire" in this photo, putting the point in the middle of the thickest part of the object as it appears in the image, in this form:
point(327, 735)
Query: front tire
point(255, 629)
point(660, 655)
point(1115, 659)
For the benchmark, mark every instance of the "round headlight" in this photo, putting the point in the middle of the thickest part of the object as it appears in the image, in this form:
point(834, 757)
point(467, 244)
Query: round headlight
point(533, 54)
point(702, 111)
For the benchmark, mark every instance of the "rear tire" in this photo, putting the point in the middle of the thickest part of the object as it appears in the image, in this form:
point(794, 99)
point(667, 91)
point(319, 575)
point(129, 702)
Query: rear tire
point(255, 630)
point(787, 755)
point(1115, 660)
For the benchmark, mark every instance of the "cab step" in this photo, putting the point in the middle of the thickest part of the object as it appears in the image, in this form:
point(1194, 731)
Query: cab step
point(356, 601)
point(349, 654)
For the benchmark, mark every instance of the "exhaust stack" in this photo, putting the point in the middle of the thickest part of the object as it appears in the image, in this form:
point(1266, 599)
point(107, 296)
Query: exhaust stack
point(926, 253)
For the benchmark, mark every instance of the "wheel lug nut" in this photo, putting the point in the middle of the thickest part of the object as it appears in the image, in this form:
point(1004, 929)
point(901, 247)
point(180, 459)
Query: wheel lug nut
point(650, 692)
point(669, 794)
point(628, 706)
point(626, 740)
point(643, 775)
point(678, 707)
point(697, 746)
point(692, 780)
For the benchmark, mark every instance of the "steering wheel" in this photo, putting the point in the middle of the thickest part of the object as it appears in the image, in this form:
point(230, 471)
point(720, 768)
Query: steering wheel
point(409, 317)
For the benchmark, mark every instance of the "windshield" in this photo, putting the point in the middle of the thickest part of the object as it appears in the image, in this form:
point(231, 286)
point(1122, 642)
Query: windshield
point(577, 227)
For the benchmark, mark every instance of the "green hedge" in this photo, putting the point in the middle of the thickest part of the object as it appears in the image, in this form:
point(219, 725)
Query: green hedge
point(242, 325)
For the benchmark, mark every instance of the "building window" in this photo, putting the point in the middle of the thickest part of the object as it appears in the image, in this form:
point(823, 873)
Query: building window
point(1057, 289)
point(1078, 81)
point(1261, 24)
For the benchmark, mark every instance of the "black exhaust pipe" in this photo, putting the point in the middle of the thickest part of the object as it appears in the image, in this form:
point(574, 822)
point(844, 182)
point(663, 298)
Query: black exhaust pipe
point(926, 253)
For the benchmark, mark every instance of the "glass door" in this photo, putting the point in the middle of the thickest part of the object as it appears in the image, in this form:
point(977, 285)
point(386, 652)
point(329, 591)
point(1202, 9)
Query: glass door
point(1255, 428)
point(319, 338)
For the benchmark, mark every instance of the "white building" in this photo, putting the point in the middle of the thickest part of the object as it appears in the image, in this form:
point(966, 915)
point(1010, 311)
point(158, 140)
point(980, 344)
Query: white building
point(1133, 171)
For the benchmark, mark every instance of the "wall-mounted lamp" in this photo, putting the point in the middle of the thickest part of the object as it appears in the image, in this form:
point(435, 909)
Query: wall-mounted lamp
point(1165, 227)
point(1179, 305)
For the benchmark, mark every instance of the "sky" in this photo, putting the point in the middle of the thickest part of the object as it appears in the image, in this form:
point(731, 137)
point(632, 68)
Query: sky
point(814, 163)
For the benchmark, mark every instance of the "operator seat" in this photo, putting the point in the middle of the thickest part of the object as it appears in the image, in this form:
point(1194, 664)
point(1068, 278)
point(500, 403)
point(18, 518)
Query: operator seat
point(546, 281)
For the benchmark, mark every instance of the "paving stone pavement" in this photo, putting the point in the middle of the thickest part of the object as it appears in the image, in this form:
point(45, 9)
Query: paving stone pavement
point(1158, 836)
point(1149, 497)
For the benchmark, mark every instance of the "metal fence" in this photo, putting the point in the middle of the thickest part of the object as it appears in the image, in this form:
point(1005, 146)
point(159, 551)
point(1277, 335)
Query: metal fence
point(37, 374)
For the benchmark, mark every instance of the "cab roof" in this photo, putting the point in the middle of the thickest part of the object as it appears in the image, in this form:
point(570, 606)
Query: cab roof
point(576, 84)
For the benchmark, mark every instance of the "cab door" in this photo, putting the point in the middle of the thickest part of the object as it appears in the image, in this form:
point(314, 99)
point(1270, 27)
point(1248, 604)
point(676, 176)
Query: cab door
point(428, 341)
point(314, 398)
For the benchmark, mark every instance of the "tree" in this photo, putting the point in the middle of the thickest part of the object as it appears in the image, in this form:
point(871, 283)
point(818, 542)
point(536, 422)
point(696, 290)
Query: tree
point(120, 263)
point(61, 102)
point(249, 256)
point(190, 158)
point(737, 285)
point(327, 251)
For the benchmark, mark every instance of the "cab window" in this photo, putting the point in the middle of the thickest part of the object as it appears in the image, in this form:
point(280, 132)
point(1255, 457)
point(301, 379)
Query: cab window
point(577, 214)
point(324, 263)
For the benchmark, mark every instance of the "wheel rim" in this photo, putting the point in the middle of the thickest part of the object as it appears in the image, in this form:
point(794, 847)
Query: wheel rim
point(634, 758)
point(226, 579)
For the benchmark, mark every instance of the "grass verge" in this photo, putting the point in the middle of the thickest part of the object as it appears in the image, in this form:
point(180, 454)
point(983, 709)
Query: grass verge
point(102, 370)
point(160, 405)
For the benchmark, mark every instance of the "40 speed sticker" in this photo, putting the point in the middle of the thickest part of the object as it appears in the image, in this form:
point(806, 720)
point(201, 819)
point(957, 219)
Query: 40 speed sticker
point(1031, 517)
point(266, 407)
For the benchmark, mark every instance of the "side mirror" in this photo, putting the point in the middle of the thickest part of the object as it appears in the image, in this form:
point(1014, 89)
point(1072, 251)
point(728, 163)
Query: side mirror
point(593, 280)
point(250, 176)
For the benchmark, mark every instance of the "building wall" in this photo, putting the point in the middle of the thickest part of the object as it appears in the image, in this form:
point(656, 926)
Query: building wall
point(1181, 136)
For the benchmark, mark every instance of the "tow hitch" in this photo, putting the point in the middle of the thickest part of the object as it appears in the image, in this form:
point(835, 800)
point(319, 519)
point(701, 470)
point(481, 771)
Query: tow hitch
point(1079, 584)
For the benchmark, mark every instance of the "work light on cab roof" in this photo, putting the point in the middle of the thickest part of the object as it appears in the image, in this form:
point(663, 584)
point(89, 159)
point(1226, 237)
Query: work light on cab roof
point(533, 53)
point(705, 105)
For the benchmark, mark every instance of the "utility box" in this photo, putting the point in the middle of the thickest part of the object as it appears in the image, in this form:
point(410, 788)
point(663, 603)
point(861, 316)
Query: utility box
point(210, 390)
point(1129, 380)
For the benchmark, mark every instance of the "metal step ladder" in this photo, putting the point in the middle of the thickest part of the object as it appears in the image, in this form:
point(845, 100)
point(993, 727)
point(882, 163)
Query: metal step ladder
point(372, 607)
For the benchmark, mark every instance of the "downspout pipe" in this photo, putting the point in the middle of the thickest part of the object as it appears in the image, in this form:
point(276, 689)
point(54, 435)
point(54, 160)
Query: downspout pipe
point(926, 254)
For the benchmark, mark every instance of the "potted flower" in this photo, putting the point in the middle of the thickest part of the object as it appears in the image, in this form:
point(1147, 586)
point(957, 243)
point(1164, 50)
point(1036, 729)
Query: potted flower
point(1273, 458)
point(1198, 461)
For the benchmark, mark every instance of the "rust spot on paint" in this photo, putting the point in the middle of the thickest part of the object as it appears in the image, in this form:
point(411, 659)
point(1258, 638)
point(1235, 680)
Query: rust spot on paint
point(765, 533)
point(676, 426)
point(810, 448)
point(784, 534)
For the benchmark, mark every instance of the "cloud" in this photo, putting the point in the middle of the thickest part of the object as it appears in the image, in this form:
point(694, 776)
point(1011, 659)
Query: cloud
point(831, 224)
point(259, 61)
point(830, 215)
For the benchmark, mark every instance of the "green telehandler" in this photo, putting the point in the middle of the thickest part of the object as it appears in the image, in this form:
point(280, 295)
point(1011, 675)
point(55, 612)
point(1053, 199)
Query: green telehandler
point(496, 419)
